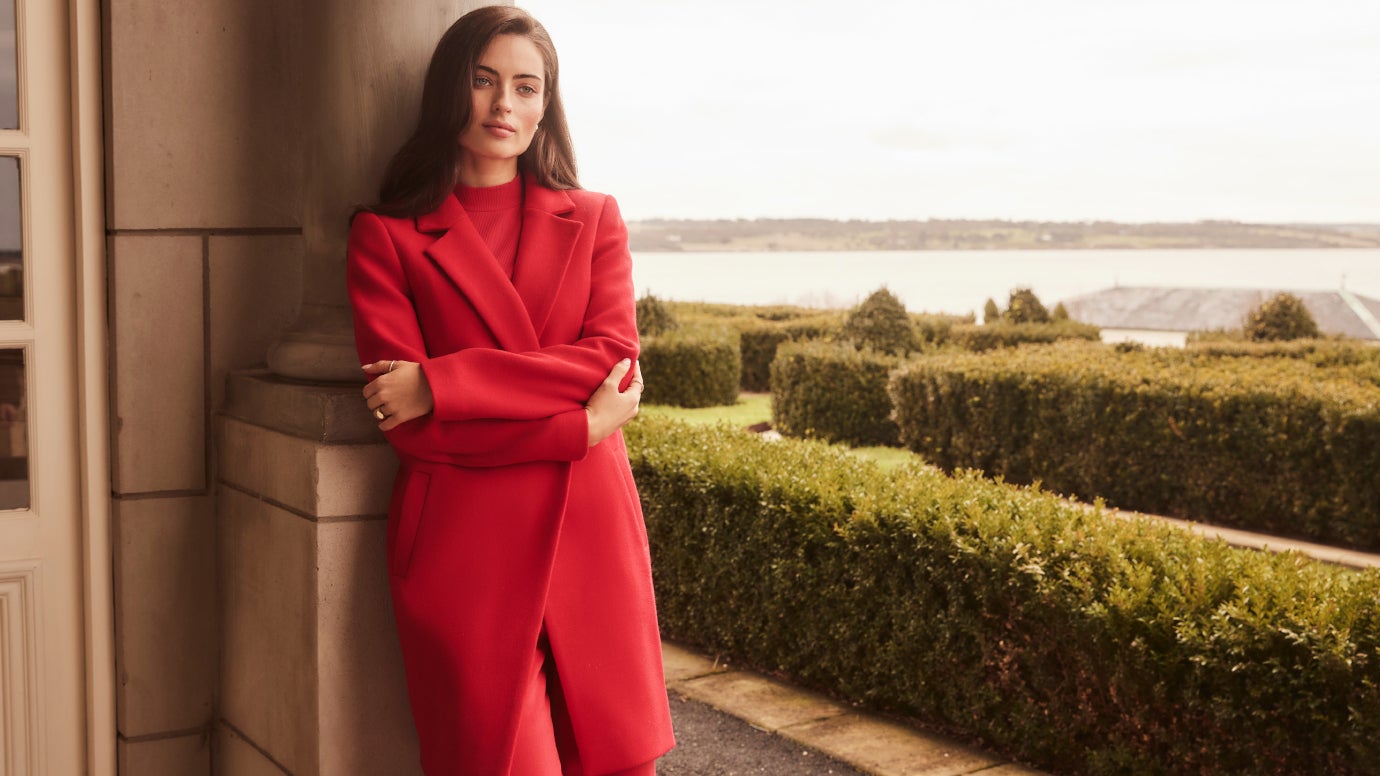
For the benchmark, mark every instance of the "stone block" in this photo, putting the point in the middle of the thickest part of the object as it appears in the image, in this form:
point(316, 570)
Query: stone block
point(680, 664)
point(321, 413)
point(366, 723)
point(181, 756)
point(205, 126)
point(159, 391)
point(165, 614)
point(268, 685)
point(889, 749)
point(237, 757)
point(313, 478)
point(255, 289)
point(761, 702)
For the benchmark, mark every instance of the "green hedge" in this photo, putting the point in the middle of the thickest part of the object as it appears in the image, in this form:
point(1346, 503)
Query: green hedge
point(1006, 335)
point(1055, 634)
point(833, 392)
point(691, 367)
point(1267, 444)
point(761, 338)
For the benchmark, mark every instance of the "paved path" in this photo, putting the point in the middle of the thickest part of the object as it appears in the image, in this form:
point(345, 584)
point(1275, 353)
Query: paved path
point(712, 743)
point(733, 723)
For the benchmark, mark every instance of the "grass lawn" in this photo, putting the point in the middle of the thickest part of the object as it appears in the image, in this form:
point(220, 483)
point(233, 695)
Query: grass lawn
point(751, 408)
point(756, 408)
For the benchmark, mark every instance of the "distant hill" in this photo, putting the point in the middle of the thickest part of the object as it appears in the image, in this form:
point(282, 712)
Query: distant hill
point(810, 234)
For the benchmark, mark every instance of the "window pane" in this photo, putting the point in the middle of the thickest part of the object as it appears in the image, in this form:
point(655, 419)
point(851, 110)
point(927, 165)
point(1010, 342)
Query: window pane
point(14, 431)
point(9, 68)
point(11, 243)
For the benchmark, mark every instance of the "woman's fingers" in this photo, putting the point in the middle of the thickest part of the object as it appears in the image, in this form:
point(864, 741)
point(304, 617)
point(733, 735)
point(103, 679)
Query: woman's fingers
point(619, 370)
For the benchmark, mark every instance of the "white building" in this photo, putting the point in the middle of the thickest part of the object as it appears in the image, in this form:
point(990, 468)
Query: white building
point(1165, 316)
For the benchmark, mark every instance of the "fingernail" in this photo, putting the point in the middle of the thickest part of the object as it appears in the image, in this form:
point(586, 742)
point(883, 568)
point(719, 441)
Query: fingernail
point(625, 362)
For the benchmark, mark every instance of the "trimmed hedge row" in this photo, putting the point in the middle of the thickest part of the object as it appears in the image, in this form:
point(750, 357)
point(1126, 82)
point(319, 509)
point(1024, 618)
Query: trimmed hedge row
point(760, 340)
point(1272, 445)
point(691, 367)
point(1053, 633)
point(1008, 335)
point(833, 392)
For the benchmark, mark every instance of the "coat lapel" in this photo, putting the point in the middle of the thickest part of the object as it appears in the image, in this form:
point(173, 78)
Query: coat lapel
point(548, 239)
point(462, 256)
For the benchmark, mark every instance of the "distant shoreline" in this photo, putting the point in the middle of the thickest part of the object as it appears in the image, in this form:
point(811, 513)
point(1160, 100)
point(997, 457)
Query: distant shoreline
point(765, 235)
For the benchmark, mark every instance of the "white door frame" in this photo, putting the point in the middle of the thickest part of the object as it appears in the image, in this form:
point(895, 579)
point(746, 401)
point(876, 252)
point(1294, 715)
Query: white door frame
point(93, 394)
point(93, 380)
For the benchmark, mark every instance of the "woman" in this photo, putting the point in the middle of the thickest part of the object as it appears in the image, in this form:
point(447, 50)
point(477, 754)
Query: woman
point(493, 310)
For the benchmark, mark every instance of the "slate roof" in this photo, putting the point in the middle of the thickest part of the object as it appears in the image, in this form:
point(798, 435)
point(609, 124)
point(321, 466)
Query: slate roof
point(1204, 309)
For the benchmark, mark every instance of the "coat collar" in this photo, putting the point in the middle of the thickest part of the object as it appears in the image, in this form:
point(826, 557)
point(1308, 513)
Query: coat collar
point(515, 311)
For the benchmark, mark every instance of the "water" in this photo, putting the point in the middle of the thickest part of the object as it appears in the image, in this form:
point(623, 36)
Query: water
point(961, 281)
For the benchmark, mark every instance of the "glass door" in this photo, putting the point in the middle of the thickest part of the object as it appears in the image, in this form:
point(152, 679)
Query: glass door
point(42, 661)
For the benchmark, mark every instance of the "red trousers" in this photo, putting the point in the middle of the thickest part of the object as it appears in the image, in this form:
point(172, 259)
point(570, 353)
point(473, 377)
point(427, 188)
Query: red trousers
point(545, 740)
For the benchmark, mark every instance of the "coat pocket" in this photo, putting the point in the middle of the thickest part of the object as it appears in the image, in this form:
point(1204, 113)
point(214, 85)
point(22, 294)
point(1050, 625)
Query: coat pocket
point(409, 518)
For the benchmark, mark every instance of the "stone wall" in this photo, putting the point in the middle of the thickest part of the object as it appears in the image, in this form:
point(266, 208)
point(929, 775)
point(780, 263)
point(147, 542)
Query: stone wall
point(203, 191)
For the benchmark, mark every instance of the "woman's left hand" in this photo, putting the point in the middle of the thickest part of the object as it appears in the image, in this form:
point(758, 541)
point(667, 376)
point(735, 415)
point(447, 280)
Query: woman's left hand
point(400, 392)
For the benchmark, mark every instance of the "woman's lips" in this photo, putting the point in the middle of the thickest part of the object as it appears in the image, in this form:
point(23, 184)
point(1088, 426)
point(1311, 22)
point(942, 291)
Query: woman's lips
point(499, 129)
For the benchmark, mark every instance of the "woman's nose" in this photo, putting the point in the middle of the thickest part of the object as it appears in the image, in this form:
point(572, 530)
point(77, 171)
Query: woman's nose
point(501, 103)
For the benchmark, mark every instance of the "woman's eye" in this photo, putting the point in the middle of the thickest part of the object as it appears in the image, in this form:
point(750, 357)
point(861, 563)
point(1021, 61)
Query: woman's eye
point(526, 89)
point(480, 80)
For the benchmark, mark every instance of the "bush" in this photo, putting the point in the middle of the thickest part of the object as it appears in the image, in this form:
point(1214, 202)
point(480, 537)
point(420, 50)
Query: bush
point(760, 339)
point(1273, 445)
point(1282, 317)
point(832, 392)
point(1008, 335)
point(881, 323)
point(990, 312)
point(691, 367)
point(653, 317)
point(1024, 307)
point(1078, 642)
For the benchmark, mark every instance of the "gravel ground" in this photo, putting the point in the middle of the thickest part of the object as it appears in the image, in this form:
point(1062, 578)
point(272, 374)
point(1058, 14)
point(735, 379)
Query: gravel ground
point(711, 743)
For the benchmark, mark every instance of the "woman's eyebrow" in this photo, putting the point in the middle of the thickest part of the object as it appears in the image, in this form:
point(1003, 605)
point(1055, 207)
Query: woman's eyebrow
point(488, 69)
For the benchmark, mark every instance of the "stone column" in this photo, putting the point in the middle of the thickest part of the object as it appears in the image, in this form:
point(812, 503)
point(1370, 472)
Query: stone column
point(311, 676)
point(363, 63)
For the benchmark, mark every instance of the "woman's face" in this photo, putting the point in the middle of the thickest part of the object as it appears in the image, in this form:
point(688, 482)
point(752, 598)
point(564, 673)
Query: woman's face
point(507, 98)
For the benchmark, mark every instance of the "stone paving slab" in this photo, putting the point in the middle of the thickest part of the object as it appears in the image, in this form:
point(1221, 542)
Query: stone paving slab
point(761, 702)
point(882, 747)
point(681, 664)
point(868, 743)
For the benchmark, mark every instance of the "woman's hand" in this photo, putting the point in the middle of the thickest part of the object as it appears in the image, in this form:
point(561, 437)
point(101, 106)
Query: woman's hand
point(608, 408)
point(398, 394)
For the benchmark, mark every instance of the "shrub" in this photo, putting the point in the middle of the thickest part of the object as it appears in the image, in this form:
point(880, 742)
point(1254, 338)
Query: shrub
point(1024, 307)
point(833, 392)
point(1078, 642)
point(691, 367)
point(1282, 317)
point(880, 322)
point(1266, 444)
point(760, 338)
point(1061, 313)
point(653, 317)
point(1007, 335)
point(990, 312)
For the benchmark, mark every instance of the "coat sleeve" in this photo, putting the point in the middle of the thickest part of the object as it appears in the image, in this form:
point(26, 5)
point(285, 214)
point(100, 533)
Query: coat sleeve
point(386, 327)
point(493, 383)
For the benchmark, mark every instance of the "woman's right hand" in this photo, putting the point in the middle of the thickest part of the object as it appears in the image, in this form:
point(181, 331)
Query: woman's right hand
point(610, 408)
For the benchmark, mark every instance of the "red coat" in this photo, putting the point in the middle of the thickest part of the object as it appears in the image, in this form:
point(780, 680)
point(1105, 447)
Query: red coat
point(502, 517)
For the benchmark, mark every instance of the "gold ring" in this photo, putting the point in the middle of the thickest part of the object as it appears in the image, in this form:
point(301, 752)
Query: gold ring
point(378, 413)
point(391, 364)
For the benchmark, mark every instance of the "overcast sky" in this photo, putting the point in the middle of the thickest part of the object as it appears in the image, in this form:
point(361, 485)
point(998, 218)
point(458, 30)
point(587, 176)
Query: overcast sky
point(1253, 110)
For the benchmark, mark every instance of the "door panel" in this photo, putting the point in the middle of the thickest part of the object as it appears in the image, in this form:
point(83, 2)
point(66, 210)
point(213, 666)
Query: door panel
point(42, 661)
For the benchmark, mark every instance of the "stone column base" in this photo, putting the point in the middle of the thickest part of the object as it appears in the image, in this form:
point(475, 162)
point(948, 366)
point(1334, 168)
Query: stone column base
point(311, 673)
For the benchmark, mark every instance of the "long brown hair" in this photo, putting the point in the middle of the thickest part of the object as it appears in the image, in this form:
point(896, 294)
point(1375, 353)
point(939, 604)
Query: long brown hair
point(425, 170)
